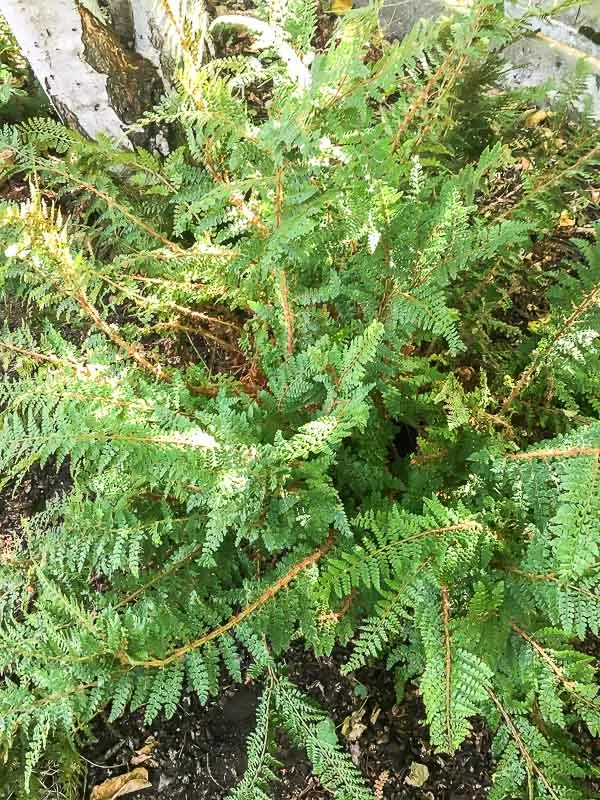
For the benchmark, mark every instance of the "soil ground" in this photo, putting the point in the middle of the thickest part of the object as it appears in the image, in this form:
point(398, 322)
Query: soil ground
point(201, 752)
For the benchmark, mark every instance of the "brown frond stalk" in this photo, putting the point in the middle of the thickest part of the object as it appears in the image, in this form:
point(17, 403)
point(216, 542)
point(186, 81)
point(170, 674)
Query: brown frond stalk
point(158, 577)
point(590, 300)
point(567, 452)
point(570, 686)
point(448, 650)
point(267, 595)
point(336, 616)
point(532, 767)
point(543, 184)
point(553, 577)
point(447, 72)
point(288, 314)
point(47, 358)
point(380, 783)
point(115, 337)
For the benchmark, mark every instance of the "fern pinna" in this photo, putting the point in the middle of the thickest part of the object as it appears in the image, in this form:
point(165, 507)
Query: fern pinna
point(228, 347)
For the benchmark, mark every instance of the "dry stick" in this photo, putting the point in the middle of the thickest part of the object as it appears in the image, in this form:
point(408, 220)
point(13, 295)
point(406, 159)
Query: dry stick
point(531, 371)
point(236, 619)
point(568, 452)
point(532, 767)
point(447, 647)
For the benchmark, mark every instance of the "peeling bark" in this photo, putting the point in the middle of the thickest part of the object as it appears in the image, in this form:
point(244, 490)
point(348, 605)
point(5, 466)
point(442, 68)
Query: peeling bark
point(100, 71)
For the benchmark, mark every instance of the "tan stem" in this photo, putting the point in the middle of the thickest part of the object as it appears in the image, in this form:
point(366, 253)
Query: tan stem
point(236, 619)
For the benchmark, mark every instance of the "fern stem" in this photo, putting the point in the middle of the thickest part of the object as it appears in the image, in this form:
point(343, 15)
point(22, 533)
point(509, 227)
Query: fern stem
point(567, 452)
point(48, 358)
point(267, 595)
point(189, 312)
point(288, 314)
point(529, 374)
point(532, 767)
point(570, 686)
point(448, 71)
point(128, 598)
point(448, 652)
point(115, 337)
point(544, 183)
point(553, 577)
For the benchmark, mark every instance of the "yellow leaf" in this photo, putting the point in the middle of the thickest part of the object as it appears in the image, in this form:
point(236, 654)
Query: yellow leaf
point(537, 117)
point(418, 775)
point(340, 6)
point(352, 727)
point(112, 788)
point(565, 220)
point(144, 754)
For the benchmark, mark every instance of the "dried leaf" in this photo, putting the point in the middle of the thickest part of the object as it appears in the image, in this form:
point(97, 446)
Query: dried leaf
point(341, 6)
point(566, 220)
point(418, 775)
point(375, 715)
point(537, 117)
point(120, 785)
point(144, 754)
point(353, 727)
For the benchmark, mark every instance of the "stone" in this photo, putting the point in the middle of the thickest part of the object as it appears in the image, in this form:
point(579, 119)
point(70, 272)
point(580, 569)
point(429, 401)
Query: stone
point(551, 57)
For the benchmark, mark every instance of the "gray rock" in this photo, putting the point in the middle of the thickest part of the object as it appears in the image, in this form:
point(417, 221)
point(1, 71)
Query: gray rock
point(551, 57)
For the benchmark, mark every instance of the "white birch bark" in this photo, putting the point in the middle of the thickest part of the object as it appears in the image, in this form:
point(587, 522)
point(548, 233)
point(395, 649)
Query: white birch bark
point(89, 66)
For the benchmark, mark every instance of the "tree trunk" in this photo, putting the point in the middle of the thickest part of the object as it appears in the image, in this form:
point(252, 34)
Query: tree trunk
point(100, 67)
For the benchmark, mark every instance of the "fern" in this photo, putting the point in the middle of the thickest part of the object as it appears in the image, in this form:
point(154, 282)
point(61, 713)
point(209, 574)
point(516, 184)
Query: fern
point(288, 372)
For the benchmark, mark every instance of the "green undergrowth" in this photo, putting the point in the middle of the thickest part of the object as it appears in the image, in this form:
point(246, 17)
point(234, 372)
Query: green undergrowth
point(329, 371)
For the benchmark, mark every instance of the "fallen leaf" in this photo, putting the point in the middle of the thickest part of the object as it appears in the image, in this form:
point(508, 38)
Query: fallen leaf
point(353, 727)
point(341, 6)
point(537, 117)
point(121, 784)
point(565, 220)
point(418, 775)
point(375, 715)
point(144, 754)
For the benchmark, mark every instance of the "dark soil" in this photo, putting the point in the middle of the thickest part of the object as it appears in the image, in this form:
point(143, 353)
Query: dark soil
point(201, 752)
point(29, 497)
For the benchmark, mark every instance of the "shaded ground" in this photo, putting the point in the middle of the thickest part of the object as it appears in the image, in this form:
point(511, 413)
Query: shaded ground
point(201, 752)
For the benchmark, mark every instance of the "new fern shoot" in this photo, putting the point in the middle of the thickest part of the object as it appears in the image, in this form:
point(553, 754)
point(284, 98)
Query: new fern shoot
point(299, 396)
